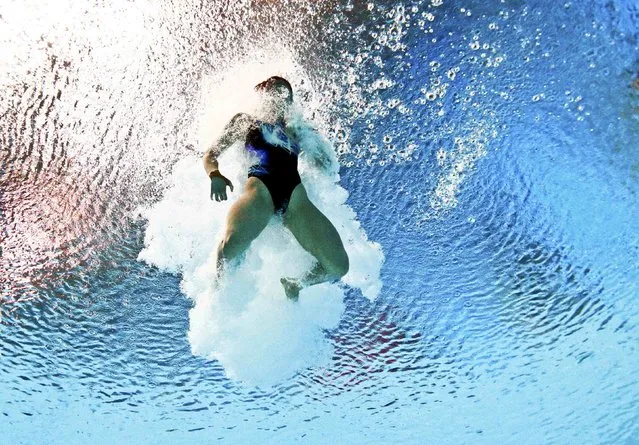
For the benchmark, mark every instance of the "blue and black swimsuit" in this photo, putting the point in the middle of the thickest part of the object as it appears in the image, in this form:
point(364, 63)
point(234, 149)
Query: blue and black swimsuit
point(276, 164)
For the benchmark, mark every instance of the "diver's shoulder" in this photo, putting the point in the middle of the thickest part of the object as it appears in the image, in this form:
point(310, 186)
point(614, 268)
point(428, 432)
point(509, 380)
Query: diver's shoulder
point(242, 118)
point(240, 124)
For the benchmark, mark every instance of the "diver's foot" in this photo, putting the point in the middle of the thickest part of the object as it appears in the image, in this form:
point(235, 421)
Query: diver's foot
point(292, 288)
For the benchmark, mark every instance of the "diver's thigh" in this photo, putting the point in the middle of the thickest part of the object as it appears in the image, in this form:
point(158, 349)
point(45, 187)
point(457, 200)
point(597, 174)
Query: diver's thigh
point(251, 212)
point(312, 229)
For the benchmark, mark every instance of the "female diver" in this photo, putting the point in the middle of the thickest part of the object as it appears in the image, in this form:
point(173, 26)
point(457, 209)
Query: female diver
point(273, 186)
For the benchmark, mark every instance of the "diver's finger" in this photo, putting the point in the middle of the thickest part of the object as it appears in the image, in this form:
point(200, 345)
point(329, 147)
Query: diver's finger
point(224, 196)
point(217, 197)
point(230, 184)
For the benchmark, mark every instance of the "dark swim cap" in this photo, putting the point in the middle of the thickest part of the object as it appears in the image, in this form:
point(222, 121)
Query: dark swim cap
point(273, 83)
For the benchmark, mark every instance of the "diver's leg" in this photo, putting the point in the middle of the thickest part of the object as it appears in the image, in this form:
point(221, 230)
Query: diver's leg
point(248, 216)
point(318, 236)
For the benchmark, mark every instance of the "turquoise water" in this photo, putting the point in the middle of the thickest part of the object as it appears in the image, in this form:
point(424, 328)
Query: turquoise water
point(489, 174)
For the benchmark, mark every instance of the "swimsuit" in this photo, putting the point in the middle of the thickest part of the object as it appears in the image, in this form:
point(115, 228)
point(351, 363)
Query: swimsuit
point(276, 164)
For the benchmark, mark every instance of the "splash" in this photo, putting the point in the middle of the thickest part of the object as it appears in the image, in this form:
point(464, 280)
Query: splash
point(246, 322)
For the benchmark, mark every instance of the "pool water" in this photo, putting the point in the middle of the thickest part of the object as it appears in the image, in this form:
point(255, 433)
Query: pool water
point(488, 187)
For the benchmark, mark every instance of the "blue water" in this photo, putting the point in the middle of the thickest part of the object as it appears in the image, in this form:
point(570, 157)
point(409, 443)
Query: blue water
point(490, 148)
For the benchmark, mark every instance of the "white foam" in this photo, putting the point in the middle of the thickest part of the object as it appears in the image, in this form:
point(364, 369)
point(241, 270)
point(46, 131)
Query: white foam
point(246, 322)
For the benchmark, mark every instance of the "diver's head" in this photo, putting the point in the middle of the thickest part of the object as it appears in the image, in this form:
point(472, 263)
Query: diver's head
point(277, 96)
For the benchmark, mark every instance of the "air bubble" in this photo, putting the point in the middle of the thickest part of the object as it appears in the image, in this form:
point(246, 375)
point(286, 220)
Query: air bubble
point(441, 157)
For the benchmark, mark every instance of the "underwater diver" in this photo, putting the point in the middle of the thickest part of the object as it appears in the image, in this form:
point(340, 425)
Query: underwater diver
point(273, 187)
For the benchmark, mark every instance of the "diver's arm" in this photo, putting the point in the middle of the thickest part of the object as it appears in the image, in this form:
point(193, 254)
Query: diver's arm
point(210, 160)
point(316, 148)
point(324, 156)
point(233, 131)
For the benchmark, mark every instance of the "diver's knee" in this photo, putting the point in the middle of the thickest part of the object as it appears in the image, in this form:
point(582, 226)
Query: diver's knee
point(340, 266)
point(221, 253)
point(344, 266)
point(229, 247)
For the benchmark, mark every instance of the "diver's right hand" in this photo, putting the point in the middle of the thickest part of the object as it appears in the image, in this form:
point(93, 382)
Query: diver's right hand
point(218, 186)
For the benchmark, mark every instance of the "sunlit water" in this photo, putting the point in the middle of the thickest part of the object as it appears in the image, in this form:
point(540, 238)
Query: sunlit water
point(487, 194)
